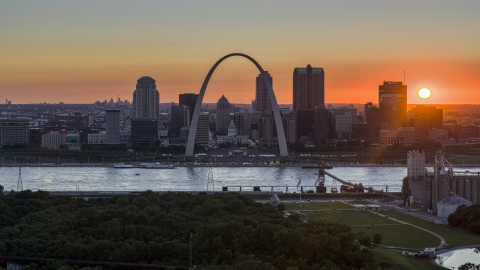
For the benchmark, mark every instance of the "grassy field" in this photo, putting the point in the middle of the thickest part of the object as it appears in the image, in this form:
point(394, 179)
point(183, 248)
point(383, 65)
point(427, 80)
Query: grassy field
point(317, 206)
point(453, 237)
point(399, 235)
point(393, 233)
point(403, 236)
point(350, 217)
point(403, 262)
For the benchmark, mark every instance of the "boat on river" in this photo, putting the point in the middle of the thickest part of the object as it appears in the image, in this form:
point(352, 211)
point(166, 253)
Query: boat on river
point(122, 165)
point(156, 165)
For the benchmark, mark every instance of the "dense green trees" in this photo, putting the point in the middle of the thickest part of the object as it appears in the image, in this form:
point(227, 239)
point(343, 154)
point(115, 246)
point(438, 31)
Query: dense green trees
point(466, 217)
point(229, 232)
point(377, 239)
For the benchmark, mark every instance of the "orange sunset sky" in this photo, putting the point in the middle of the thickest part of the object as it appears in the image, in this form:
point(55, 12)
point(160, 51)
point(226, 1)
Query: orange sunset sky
point(83, 51)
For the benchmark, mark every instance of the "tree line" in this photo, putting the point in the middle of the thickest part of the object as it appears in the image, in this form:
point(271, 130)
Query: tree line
point(229, 232)
point(466, 217)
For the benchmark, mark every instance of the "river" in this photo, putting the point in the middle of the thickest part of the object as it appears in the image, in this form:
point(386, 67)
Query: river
point(193, 178)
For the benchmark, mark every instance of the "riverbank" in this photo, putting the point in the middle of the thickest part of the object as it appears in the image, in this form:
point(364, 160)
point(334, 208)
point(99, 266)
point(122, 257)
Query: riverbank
point(234, 165)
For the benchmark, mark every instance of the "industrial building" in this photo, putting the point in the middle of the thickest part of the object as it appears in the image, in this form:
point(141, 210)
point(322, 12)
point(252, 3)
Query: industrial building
point(429, 190)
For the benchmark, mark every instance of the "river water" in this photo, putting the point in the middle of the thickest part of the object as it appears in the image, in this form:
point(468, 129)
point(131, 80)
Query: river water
point(193, 178)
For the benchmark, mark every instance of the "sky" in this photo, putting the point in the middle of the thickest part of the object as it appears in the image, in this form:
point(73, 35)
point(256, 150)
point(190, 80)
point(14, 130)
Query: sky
point(82, 51)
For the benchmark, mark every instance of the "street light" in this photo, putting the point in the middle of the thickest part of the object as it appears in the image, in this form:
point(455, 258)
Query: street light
point(191, 259)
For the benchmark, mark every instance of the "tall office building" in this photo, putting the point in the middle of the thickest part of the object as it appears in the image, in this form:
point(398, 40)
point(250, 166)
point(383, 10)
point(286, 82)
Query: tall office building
point(424, 118)
point(343, 118)
point(321, 125)
point(203, 135)
point(112, 118)
point(308, 94)
point(392, 100)
point(179, 118)
point(372, 118)
point(308, 88)
point(238, 120)
point(14, 131)
point(144, 130)
point(262, 101)
point(146, 99)
point(189, 100)
point(268, 137)
point(223, 116)
point(305, 124)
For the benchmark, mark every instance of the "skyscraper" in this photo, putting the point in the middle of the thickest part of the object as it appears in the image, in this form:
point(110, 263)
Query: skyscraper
point(223, 115)
point(146, 99)
point(262, 100)
point(308, 94)
point(189, 100)
point(308, 88)
point(179, 119)
point(372, 118)
point(392, 100)
point(202, 137)
point(112, 118)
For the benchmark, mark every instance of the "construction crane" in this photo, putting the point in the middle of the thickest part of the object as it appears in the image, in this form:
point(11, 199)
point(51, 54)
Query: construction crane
point(442, 163)
point(320, 183)
point(321, 188)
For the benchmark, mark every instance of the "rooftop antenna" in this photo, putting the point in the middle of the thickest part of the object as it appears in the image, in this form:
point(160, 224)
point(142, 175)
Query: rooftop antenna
point(404, 82)
point(19, 182)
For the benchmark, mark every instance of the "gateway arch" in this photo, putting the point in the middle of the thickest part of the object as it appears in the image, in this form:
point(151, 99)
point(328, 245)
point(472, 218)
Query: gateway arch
point(282, 144)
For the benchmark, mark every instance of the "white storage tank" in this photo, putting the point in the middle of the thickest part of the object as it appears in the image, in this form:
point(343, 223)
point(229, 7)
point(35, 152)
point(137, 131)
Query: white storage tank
point(448, 205)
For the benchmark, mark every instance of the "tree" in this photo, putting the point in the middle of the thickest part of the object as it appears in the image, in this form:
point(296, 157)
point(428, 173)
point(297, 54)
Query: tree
point(377, 238)
point(469, 266)
point(366, 240)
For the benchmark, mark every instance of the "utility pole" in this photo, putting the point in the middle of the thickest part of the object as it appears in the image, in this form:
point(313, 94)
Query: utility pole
point(191, 259)
point(19, 182)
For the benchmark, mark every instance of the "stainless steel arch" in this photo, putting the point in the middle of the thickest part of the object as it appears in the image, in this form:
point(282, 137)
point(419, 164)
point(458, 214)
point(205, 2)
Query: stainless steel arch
point(282, 144)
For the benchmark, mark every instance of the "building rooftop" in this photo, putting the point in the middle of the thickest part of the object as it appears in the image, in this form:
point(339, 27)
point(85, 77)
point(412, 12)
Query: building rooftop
point(455, 200)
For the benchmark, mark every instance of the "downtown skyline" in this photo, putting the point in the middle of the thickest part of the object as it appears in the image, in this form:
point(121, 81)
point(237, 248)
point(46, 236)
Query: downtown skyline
point(79, 52)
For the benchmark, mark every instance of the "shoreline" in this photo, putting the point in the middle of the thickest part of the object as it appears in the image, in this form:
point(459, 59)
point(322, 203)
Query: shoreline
point(232, 165)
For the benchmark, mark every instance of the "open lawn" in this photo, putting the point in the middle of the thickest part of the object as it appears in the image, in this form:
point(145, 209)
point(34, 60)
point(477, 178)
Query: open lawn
point(400, 262)
point(393, 233)
point(453, 237)
point(349, 217)
point(404, 236)
point(317, 206)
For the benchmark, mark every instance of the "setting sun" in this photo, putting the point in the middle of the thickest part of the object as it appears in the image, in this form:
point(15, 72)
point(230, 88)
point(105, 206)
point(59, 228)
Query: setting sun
point(424, 93)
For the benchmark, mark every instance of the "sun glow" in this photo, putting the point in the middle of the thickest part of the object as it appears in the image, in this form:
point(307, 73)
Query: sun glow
point(424, 93)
